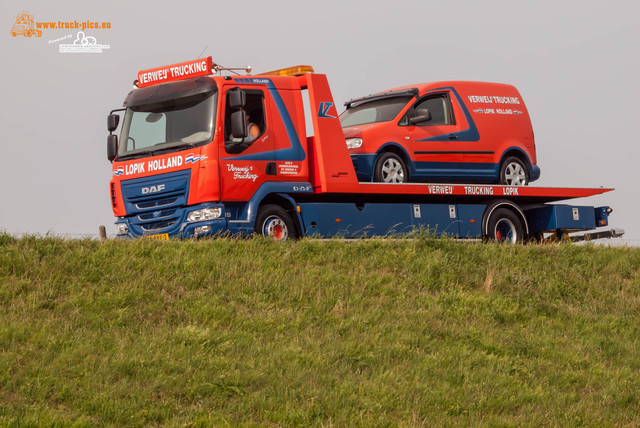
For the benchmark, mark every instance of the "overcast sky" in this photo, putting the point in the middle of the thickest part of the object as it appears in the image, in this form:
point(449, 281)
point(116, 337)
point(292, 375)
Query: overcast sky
point(576, 64)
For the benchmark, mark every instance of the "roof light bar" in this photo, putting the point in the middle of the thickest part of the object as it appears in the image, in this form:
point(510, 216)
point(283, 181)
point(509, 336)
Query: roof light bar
point(296, 70)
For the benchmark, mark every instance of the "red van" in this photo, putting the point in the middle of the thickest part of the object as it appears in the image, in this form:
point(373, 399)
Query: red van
point(445, 131)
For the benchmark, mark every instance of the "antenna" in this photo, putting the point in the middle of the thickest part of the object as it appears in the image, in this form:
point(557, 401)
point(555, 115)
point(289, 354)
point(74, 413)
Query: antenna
point(205, 48)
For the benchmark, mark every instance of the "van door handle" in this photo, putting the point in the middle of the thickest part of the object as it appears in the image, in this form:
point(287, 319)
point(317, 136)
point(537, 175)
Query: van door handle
point(453, 137)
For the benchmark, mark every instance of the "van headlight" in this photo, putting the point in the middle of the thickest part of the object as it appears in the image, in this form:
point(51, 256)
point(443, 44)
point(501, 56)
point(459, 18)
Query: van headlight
point(204, 214)
point(354, 143)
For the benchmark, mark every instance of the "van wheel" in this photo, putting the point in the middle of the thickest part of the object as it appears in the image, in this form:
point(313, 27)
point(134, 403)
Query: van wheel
point(390, 169)
point(274, 222)
point(504, 226)
point(513, 172)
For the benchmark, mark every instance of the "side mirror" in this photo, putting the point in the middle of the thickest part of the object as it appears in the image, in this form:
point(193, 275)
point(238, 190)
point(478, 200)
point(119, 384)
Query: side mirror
point(420, 115)
point(112, 147)
point(237, 98)
point(239, 124)
point(112, 122)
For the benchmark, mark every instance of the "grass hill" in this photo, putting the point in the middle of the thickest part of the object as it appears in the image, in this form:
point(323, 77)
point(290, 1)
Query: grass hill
point(225, 332)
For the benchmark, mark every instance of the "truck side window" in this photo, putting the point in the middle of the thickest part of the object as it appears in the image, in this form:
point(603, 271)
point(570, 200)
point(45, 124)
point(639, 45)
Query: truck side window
point(440, 107)
point(256, 123)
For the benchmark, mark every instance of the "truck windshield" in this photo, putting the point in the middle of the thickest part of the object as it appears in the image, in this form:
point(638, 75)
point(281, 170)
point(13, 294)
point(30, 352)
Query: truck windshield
point(374, 111)
point(154, 129)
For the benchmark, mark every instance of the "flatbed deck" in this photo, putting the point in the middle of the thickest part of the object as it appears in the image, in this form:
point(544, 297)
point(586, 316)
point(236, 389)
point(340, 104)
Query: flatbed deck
point(525, 194)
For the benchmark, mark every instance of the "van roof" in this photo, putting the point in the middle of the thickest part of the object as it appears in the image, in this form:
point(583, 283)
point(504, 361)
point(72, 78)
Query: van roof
point(382, 95)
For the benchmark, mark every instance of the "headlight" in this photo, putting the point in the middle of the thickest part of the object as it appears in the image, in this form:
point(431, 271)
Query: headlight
point(204, 214)
point(354, 143)
point(122, 229)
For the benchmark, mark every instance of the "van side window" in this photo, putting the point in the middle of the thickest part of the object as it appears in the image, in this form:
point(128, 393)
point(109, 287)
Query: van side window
point(256, 123)
point(439, 105)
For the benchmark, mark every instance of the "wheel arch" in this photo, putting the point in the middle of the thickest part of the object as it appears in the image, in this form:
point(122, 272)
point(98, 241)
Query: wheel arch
point(511, 207)
point(287, 203)
point(518, 153)
point(394, 148)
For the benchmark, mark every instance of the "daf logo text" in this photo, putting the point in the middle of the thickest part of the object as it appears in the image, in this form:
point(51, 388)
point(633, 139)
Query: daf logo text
point(153, 189)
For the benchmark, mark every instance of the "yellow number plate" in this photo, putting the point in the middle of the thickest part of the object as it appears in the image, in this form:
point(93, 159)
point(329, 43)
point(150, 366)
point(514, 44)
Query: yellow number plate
point(159, 237)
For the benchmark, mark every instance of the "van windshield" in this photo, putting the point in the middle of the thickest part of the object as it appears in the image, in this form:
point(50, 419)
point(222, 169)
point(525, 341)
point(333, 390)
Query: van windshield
point(374, 111)
point(153, 129)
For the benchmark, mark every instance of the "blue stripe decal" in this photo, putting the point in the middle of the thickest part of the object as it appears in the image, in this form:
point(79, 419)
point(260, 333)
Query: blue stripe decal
point(469, 134)
point(293, 153)
point(456, 170)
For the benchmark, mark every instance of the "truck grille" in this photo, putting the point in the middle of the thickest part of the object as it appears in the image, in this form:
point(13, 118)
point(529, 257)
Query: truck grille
point(158, 226)
point(155, 204)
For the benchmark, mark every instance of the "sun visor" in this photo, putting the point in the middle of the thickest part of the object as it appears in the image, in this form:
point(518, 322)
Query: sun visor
point(166, 92)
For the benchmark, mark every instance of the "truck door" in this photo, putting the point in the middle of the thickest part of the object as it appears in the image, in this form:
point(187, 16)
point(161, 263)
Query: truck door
point(246, 163)
point(290, 135)
point(445, 146)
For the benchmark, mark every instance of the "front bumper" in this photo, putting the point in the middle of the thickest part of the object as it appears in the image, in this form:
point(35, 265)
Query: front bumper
point(363, 165)
point(140, 226)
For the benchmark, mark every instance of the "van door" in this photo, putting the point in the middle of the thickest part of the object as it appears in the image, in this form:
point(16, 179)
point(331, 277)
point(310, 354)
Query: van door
point(446, 147)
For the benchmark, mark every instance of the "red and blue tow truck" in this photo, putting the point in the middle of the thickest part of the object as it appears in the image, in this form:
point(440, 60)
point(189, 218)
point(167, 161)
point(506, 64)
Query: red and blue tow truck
point(202, 154)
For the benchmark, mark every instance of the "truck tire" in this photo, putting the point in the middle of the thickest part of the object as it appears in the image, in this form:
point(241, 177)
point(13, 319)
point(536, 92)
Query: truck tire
point(513, 172)
point(390, 168)
point(504, 226)
point(274, 222)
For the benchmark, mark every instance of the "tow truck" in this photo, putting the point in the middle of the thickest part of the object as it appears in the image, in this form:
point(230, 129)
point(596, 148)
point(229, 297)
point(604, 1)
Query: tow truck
point(202, 154)
point(25, 26)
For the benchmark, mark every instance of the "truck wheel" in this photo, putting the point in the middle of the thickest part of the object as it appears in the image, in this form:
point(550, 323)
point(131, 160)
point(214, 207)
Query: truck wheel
point(513, 172)
point(274, 222)
point(504, 226)
point(390, 169)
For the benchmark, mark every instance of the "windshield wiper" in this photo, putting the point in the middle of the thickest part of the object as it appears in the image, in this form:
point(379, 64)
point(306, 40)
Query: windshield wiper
point(182, 146)
point(175, 148)
point(136, 155)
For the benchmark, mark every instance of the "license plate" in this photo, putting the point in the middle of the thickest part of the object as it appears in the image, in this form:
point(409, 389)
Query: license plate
point(159, 237)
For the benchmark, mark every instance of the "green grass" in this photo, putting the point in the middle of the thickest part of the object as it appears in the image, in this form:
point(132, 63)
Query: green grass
point(423, 332)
